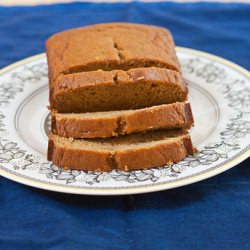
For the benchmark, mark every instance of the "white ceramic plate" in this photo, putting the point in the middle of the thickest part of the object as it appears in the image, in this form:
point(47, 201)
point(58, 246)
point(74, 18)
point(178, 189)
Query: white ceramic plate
point(220, 98)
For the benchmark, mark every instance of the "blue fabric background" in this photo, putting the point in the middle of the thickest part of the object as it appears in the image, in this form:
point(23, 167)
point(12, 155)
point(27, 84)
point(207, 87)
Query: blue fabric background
point(212, 214)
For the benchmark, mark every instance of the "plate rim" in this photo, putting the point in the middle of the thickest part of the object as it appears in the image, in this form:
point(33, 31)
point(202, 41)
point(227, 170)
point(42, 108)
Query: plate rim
point(132, 190)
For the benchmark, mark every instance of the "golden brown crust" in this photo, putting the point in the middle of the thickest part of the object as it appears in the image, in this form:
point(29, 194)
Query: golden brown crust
point(110, 46)
point(168, 116)
point(72, 158)
point(159, 154)
point(50, 152)
point(117, 90)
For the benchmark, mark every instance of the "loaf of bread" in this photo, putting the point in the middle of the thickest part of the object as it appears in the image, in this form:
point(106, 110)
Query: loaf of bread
point(117, 99)
point(130, 152)
point(115, 123)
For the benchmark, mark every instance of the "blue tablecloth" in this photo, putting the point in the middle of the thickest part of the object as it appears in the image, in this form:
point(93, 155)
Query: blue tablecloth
point(212, 214)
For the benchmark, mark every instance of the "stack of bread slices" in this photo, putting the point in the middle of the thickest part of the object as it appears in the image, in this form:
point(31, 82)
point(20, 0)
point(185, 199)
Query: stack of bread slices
point(117, 99)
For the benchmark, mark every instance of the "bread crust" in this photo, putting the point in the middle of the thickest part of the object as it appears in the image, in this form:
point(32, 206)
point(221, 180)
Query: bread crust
point(159, 154)
point(167, 116)
point(110, 46)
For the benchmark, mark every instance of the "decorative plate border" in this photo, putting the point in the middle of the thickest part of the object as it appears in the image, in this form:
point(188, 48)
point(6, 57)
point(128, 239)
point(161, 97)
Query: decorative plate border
point(10, 151)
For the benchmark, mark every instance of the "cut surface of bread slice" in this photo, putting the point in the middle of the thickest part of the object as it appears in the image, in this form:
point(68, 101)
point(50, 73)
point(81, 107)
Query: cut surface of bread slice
point(110, 46)
point(130, 152)
point(117, 90)
point(114, 123)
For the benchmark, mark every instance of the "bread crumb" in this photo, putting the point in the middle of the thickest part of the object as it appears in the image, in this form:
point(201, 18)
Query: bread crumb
point(140, 78)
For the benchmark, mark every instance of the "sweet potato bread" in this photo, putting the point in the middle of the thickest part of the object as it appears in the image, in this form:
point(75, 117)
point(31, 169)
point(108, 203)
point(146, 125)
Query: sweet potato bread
point(117, 90)
point(110, 46)
point(117, 99)
point(115, 123)
point(130, 152)
point(113, 66)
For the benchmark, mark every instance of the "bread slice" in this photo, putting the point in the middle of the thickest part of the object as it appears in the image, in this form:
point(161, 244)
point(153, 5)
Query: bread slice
point(131, 152)
point(110, 46)
point(117, 90)
point(114, 123)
